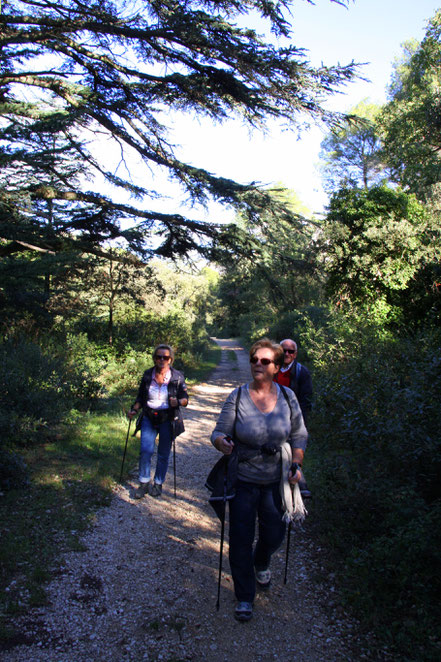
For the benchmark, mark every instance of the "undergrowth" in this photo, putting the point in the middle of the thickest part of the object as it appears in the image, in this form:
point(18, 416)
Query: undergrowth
point(68, 477)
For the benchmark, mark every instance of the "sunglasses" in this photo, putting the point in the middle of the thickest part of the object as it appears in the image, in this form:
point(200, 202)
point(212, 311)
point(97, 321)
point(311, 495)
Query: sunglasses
point(162, 357)
point(255, 360)
point(289, 351)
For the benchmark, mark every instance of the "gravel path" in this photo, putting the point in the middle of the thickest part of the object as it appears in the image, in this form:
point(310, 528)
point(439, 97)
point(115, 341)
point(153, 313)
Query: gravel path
point(145, 588)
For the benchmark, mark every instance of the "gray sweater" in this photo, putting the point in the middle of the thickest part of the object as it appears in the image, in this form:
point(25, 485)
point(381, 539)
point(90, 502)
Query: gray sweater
point(255, 428)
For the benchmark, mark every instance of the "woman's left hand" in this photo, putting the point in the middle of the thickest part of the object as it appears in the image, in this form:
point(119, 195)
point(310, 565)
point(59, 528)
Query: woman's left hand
point(174, 402)
point(294, 478)
point(224, 444)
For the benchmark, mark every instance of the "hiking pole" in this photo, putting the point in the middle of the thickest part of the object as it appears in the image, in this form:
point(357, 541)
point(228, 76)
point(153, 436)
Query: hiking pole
point(288, 538)
point(221, 549)
point(174, 465)
point(220, 556)
point(125, 450)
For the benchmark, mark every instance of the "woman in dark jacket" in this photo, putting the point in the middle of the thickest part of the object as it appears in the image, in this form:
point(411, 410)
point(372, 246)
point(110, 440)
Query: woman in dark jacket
point(161, 394)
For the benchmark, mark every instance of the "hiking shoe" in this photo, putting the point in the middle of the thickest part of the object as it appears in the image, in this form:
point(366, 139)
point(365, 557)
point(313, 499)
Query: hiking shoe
point(243, 611)
point(140, 491)
point(263, 578)
point(155, 489)
point(306, 494)
point(304, 489)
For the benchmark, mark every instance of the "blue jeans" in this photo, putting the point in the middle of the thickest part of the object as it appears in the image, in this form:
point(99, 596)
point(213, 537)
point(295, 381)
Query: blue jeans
point(148, 437)
point(264, 501)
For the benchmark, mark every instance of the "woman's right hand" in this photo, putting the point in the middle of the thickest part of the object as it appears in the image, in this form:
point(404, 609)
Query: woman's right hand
point(224, 444)
point(132, 413)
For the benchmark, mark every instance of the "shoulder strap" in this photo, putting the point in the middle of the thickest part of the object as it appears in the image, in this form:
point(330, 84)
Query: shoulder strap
point(285, 394)
point(295, 374)
point(239, 393)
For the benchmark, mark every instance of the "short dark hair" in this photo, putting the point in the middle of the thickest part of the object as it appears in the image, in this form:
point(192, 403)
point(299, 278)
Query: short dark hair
point(269, 344)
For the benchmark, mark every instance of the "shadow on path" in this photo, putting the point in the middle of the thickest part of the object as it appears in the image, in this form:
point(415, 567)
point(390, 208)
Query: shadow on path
point(146, 587)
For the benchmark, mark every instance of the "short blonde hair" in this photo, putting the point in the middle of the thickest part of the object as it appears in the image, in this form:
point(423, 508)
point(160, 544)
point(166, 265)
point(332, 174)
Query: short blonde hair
point(163, 346)
point(269, 344)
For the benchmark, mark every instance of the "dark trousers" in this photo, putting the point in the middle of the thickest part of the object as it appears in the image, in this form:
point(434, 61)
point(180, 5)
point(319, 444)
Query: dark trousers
point(251, 500)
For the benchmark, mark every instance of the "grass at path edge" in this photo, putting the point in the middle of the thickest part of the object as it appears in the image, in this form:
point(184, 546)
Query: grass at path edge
point(71, 479)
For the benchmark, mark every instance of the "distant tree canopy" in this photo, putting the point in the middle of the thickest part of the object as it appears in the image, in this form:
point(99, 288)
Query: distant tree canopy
point(411, 121)
point(352, 152)
point(374, 244)
point(81, 82)
point(276, 277)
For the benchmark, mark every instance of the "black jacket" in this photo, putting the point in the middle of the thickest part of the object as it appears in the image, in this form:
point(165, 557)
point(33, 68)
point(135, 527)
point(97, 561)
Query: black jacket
point(301, 384)
point(177, 388)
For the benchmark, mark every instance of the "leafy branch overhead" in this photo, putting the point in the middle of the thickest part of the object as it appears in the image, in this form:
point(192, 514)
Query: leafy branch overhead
point(81, 82)
point(411, 121)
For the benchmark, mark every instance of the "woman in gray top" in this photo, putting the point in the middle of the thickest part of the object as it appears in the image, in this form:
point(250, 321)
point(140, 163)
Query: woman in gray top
point(270, 438)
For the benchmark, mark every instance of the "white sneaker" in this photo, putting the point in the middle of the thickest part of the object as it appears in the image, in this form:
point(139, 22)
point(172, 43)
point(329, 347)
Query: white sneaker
point(263, 578)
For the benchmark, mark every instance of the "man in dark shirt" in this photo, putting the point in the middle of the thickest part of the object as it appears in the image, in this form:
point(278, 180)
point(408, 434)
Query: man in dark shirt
point(298, 378)
point(295, 376)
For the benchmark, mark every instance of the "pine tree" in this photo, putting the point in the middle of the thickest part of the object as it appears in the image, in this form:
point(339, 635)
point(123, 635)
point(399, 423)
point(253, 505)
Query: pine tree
point(72, 71)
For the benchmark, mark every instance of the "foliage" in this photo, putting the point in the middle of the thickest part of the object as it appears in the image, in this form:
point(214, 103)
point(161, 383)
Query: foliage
point(373, 245)
point(13, 470)
point(376, 429)
point(183, 287)
point(38, 387)
point(77, 76)
point(123, 373)
point(410, 122)
point(44, 379)
point(102, 289)
point(303, 325)
point(71, 476)
point(278, 273)
point(352, 152)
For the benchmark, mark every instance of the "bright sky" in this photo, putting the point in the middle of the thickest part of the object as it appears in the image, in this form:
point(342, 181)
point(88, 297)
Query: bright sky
point(368, 31)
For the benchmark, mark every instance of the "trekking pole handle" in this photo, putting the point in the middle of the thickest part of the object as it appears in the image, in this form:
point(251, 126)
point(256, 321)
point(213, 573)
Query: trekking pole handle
point(224, 444)
point(295, 467)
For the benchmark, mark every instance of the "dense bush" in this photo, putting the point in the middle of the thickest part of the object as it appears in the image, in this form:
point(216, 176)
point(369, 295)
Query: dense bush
point(13, 470)
point(377, 431)
point(141, 334)
point(122, 373)
point(38, 386)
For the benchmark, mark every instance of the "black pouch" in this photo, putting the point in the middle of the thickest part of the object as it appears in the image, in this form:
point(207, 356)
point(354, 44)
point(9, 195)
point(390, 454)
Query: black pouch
point(221, 482)
point(157, 416)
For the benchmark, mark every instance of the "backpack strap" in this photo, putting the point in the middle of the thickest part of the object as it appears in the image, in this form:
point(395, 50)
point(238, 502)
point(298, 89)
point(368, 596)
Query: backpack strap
point(296, 376)
point(239, 393)
point(285, 395)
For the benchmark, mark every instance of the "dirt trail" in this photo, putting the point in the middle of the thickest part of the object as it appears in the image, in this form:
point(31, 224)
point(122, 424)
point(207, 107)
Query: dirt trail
point(145, 588)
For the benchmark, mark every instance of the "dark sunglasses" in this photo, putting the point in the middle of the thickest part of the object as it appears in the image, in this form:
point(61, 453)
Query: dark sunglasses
point(254, 360)
point(289, 351)
point(162, 357)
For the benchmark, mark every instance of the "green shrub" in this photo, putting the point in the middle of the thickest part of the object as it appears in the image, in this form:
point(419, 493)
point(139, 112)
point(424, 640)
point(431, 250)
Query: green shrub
point(32, 391)
point(376, 429)
point(84, 362)
point(13, 471)
point(122, 374)
point(38, 386)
